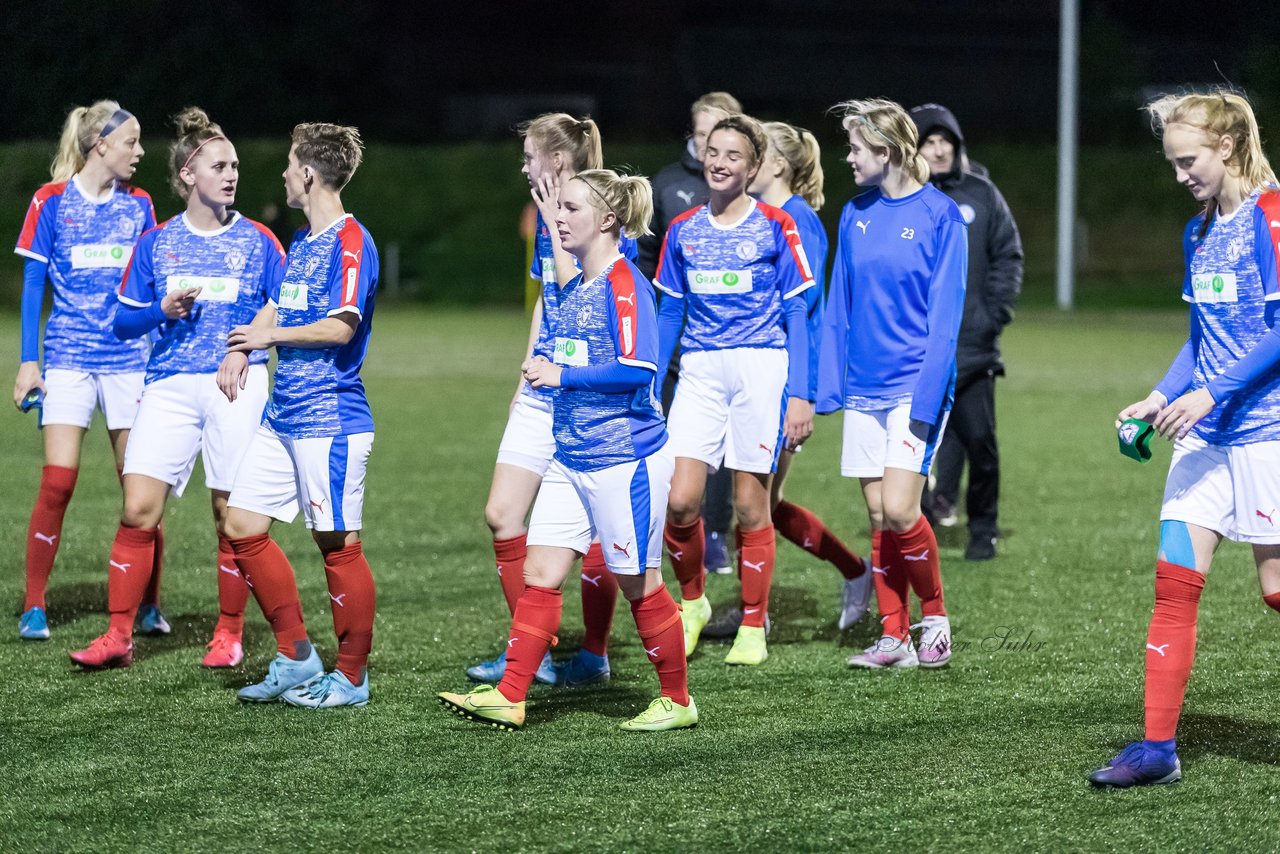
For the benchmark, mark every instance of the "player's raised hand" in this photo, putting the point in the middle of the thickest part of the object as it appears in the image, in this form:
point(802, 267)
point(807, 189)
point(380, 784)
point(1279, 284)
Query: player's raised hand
point(1144, 410)
point(178, 302)
point(1177, 419)
point(541, 372)
point(546, 195)
point(798, 425)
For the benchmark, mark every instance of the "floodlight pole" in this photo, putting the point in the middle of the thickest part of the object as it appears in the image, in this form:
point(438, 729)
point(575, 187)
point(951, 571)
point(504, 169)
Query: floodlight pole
point(1068, 92)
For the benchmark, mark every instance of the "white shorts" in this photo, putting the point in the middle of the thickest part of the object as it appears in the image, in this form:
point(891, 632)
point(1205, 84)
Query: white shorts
point(1231, 489)
point(623, 506)
point(877, 439)
point(729, 407)
point(528, 441)
point(187, 414)
point(325, 477)
point(71, 396)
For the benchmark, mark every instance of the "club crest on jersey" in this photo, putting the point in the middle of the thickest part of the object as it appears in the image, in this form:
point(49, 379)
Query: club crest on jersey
point(747, 250)
point(584, 315)
point(125, 227)
point(309, 269)
point(235, 259)
point(1235, 248)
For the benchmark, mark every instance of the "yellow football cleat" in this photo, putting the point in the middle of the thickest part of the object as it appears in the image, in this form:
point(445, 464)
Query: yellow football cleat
point(748, 647)
point(663, 714)
point(694, 614)
point(485, 705)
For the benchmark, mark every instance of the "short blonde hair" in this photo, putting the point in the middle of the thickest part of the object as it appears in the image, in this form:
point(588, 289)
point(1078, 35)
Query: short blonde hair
point(718, 102)
point(334, 151)
point(886, 126)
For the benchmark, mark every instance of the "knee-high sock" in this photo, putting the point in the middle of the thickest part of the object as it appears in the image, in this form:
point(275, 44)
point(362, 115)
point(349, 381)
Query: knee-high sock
point(756, 553)
point(233, 593)
point(685, 545)
point(599, 596)
point(919, 550)
point(267, 572)
point(1272, 600)
point(891, 585)
point(44, 533)
point(1171, 647)
point(806, 530)
point(127, 575)
point(661, 632)
point(533, 632)
point(510, 555)
point(352, 598)
point(152, 594)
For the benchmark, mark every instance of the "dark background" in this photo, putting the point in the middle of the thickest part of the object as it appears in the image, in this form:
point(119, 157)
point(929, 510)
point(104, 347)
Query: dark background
point(432, 72)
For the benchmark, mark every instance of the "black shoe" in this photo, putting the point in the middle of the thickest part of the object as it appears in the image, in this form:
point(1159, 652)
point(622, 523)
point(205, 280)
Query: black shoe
point(981, 547)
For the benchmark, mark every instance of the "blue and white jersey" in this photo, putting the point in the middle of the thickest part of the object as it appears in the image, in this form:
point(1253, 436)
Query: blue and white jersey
point(86, 245)
point(895, 304)
point(610, 319)
point(733, 278)
point(237, 268)
point(813, 237)
point(1231, 283)
point(544, 270)
point(318, 391)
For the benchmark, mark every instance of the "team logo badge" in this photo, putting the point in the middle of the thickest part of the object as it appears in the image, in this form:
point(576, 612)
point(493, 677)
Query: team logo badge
point(747, 250)
point(309, 269)
point(125, 227)
point(1128, 432)
point(235, 259)
point(968, 213)
point(584, 315)
point(690, 249)
point(1235, 248)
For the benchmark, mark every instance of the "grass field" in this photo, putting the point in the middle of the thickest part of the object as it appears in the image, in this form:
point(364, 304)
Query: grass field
point(801, 754)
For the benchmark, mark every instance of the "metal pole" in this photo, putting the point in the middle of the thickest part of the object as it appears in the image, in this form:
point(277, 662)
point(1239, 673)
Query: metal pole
point(1068, 91)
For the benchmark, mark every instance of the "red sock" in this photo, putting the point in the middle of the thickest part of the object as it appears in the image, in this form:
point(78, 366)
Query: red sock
point(756, 553)
point(919, 553)
point(806, 530)
point(1171, 647)
point(685, 545)
point(233, 593)
point(1272, 600)
point(352, 599)
point(599, 595)
point(658, 622)
point(45, 531)
point(533, 632)
point(127, 575)
point(152, 594)
point(510, 555)
point(268, 574)
point(891, 585)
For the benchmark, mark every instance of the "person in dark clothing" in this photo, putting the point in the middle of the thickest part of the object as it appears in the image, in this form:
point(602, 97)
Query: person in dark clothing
point(676, 188)
point(995, 280)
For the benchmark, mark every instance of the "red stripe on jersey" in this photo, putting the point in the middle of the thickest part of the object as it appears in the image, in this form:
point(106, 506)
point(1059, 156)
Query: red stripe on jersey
point(662, 253)
point(792, 235)
point(623, 283)
point(128, 268)
point(28, 234)
point(269, 233)
point(1270, 204)
point(351, 242)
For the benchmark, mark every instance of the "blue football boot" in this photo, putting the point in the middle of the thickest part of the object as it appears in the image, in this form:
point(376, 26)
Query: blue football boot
point(585, 668)
point(283, 674)
point(1139, 765)
point(32, 625)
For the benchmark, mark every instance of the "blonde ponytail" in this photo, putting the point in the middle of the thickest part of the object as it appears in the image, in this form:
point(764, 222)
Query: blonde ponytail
point(800, 150)
point(629, 197)
point(578, 139)
point(80, 132)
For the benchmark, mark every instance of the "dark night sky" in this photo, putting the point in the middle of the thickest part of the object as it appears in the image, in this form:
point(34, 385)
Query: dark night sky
point(435, 71)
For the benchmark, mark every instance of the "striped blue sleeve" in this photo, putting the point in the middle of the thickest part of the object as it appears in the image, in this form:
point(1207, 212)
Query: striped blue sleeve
point(946, 308)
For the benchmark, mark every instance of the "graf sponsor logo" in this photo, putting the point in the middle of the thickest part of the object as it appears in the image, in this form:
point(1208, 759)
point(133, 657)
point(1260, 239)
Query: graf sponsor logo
point(570, 351)
point(713, 282)
point(293, 295)
point(212, 288)
point(90, 255)
point(1214, 288)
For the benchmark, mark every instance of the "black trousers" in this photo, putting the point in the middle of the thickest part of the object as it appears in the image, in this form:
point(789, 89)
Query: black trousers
point(971, 434)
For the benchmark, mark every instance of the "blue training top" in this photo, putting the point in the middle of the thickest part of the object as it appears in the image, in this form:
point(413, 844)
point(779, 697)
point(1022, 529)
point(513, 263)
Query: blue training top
point(813, 237)
point(896, 301)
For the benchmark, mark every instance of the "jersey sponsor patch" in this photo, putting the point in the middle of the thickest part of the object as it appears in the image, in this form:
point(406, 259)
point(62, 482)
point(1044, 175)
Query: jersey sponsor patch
point(711, 282)
point(570, 351)
point(548, 270)
point(293, 295)
point(1214, 287)
point(88, 255)
point(212, 288)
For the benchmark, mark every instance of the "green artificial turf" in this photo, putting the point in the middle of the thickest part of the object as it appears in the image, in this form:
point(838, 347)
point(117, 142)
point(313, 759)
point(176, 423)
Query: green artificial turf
point(800, 754)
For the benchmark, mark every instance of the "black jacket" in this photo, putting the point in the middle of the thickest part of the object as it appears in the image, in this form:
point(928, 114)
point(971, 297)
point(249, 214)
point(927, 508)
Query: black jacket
point(995, 252)
point(676, 188)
